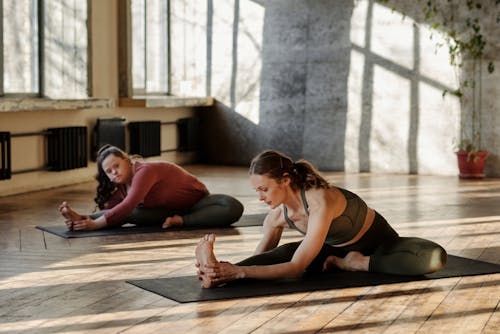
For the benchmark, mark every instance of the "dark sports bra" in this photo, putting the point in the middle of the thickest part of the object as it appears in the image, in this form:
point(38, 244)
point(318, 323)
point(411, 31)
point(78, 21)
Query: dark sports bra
point(343, 228)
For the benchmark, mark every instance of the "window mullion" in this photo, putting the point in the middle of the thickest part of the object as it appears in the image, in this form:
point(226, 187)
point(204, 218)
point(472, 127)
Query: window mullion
point(41, 48)
point(169, 58)
point(145, 85)
point(2, 92)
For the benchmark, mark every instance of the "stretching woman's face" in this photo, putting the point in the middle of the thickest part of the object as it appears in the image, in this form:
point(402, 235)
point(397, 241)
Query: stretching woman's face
point(117, 169)
point(269, 190)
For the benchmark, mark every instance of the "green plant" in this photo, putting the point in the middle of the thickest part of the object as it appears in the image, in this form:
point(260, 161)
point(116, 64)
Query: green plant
point(463, 33)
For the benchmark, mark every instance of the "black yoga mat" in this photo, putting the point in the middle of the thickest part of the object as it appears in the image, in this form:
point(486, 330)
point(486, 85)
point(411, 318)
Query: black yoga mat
point(62, 231)
point(187, 288)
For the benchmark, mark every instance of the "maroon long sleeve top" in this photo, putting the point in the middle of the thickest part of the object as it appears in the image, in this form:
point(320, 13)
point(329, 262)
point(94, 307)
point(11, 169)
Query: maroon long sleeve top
point(155, 185)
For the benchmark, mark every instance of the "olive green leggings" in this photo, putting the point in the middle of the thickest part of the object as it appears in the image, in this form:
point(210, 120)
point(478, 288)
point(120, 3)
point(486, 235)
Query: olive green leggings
point(389, 253)
point(214, 210)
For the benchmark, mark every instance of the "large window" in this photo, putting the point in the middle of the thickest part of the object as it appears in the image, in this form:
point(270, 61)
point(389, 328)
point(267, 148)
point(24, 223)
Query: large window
point(168, 54)
point(44, 48)
point(150, 50)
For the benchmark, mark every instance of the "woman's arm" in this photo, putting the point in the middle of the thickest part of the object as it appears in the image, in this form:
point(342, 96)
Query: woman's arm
point(320, 216)
point(142, 182)
point(88, 224)
point(272, 229)
point(317, 229)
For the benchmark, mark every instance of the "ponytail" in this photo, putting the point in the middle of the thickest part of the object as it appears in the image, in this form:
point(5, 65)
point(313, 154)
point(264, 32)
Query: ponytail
point(306, 176)
point(276, 165)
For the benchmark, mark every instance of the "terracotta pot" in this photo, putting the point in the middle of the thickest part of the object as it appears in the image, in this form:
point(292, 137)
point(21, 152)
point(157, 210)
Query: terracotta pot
point(471, 164)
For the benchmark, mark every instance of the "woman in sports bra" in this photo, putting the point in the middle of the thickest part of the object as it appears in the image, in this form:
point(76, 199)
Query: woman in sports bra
point(340, 231)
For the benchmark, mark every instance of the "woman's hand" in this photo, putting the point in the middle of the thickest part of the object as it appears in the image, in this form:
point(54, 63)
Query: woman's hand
point(86, 224)
point(222, 272)
point(198, 270)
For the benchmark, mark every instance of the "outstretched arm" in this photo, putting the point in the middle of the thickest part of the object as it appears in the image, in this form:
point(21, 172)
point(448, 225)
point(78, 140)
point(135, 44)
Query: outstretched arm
point(77, 222)
point(217, 273)
point(318, 224)
point(306, 252)
point(142, 183)
point(272, 229)
point(89, 224)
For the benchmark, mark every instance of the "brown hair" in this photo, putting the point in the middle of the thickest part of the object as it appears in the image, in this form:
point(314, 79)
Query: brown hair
point(276, 165)
point(105, 188)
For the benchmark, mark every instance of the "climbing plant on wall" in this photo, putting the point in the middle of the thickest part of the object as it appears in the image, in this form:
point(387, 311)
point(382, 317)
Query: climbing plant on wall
point(463, 25)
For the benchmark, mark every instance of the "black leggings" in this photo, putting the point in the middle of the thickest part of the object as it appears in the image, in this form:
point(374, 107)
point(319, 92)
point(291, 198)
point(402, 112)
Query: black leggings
point(389, 253)
point(215, 210)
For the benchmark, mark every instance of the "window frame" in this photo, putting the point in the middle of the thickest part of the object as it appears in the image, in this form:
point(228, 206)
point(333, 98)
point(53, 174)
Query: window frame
point(41, 91)
point(125, 85)
point(126, 97)
point(39, 21)
point(144, 31)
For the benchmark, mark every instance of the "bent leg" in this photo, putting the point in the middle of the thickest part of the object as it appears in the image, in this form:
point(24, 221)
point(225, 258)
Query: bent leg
point(284, 253)
point(215, 210)
point(141, 216)
point(408, 256)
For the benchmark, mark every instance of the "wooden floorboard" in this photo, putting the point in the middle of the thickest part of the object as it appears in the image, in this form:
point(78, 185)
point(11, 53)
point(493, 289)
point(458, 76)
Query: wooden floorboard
point(50, 284)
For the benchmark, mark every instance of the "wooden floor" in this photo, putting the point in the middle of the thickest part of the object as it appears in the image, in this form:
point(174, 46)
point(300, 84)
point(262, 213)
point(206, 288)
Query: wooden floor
point(54, 285)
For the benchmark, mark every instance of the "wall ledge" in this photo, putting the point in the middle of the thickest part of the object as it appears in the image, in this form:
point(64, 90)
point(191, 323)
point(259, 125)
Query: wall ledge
point(14, 104)
point(165, 102)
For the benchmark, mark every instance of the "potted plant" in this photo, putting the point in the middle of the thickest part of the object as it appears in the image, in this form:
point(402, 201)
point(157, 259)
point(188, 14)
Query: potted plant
point(466, 43)
point(470, 155)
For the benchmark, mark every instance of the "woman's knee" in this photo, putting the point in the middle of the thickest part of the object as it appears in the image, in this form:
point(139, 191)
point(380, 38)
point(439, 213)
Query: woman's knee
point(214, 210)
point(409, 256)
point(436, 257)
point(430, 258)
point(236, 207)
point(233, 207)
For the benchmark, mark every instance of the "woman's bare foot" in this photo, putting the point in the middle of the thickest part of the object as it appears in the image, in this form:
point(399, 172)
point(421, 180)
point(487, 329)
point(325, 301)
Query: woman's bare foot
point(69, 213)
point(175, 220)
point(205, 255)
point(353, 261)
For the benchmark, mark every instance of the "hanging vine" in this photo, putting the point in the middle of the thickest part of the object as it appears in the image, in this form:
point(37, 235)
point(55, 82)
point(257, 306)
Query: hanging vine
point(462, 25)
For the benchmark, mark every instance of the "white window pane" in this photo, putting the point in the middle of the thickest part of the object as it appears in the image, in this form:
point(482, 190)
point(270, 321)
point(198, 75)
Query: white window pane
point(65, 59)
point(157, 46)
point(138, 47)
point(189, 44)
point(149, 46)
point(20, 49)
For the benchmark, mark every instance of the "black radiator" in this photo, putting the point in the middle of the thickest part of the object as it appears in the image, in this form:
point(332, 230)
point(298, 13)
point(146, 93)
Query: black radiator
point(5, 167)
point(108, 131)
point(145, 138)
point(67, 148)
point(188, 130)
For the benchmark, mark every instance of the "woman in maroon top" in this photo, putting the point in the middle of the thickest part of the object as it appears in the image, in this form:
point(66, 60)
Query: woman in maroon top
point(151, 193)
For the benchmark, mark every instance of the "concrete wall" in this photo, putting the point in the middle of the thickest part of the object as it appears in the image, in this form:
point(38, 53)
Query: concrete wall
point(348, 85)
